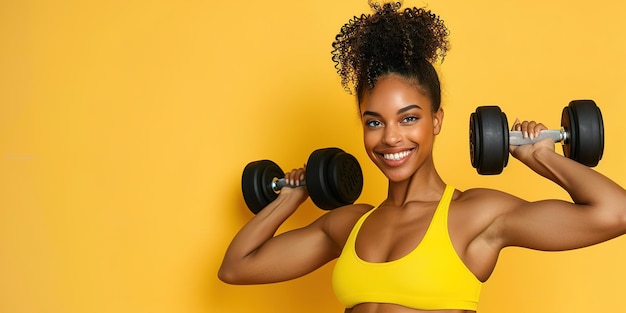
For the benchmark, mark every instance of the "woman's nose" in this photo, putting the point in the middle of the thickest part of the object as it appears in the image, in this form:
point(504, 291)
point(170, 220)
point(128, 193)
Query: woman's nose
point(392, 136)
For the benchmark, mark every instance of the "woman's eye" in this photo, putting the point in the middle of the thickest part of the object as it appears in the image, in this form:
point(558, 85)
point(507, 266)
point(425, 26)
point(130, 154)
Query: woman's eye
point(409, 119)
point(373, 123)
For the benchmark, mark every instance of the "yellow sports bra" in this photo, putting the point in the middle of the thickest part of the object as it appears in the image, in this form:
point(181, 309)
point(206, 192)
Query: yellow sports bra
point(431, 277)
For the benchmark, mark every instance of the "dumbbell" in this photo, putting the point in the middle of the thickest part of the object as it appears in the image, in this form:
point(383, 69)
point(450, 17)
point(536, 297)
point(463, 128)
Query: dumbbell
point(581, 134)
point(333, 179)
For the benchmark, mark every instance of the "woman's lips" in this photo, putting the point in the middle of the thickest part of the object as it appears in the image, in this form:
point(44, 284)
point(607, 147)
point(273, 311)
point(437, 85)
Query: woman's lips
point(396, 158)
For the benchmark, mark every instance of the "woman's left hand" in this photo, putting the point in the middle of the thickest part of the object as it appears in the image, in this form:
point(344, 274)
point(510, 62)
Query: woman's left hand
point(529, 129)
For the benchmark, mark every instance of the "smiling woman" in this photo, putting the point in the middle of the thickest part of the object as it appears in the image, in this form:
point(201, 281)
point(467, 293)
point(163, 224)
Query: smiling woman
point(397, 256)
point(125, 126)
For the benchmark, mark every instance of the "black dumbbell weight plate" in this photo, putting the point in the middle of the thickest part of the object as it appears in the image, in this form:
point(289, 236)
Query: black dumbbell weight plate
point(489, 140)
point(333, 178)
point(474, 140)
point(345, 177)
point(316, 178)
point(256, 184)
point(582, 120)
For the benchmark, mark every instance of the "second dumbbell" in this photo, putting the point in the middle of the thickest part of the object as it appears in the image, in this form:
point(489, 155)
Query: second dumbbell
point(581, 133)
point(333, 179)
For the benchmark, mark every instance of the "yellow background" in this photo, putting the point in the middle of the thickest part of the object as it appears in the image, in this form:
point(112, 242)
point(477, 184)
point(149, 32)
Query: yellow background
point(124, 127)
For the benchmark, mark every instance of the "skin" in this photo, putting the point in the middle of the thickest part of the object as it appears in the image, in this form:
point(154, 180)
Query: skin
point(397, 118)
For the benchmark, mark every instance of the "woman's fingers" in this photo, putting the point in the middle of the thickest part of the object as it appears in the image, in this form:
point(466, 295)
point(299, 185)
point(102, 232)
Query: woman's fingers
point(529, 129)
point(295, 177)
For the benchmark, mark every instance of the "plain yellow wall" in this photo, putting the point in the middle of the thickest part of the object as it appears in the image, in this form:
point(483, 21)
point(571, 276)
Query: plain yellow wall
point(124, 127)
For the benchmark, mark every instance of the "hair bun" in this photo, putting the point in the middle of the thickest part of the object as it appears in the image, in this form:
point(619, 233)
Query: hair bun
point(389, 40)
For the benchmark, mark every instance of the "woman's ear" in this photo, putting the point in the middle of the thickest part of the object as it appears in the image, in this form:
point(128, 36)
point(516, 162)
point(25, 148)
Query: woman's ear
point(437, 121)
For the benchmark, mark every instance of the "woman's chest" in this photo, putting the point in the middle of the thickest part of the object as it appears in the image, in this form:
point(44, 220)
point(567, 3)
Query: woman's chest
point(391, 233)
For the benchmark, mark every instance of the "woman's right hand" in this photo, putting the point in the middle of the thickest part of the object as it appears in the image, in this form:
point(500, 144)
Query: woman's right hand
point(295, 187)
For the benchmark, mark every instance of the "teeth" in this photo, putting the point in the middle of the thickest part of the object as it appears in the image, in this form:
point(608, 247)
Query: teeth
point(396, 156)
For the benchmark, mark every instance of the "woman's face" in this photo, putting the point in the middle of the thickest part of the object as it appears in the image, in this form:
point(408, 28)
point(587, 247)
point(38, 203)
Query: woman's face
point(399, 127)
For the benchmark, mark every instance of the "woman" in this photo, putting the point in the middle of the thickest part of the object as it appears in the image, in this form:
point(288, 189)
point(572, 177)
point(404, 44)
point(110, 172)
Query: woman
point(427, 246)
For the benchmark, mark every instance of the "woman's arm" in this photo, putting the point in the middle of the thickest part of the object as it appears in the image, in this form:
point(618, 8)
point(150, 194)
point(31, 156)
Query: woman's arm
point(597, 214)
point(256, 256)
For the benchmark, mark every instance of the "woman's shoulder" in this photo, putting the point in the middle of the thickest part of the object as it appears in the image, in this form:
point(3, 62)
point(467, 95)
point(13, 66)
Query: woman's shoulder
point(477, 210)
point(486, 199)
point(481, 194)
point(338, 223)
point(346, 216)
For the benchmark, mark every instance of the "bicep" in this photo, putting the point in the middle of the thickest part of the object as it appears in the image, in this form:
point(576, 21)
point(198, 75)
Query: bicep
point(555, 225)
point(289, 255)
point(297, 252)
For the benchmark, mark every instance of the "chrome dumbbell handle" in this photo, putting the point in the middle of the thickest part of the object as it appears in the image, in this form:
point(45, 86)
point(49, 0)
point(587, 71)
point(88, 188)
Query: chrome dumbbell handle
point(280, 183)
point(516, 138)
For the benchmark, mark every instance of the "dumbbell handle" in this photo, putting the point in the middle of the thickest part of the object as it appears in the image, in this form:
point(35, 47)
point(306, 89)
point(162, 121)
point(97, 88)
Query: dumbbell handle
point(280, 183)
point(516, 138)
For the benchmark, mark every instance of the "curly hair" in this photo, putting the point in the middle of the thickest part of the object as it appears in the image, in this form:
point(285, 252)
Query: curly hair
point(391, 41)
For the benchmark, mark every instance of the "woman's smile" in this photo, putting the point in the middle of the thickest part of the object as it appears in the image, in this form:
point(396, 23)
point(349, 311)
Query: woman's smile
point(396, 158)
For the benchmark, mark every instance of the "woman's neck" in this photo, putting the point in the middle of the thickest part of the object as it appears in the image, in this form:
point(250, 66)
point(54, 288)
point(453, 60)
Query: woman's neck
point(425, 185)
